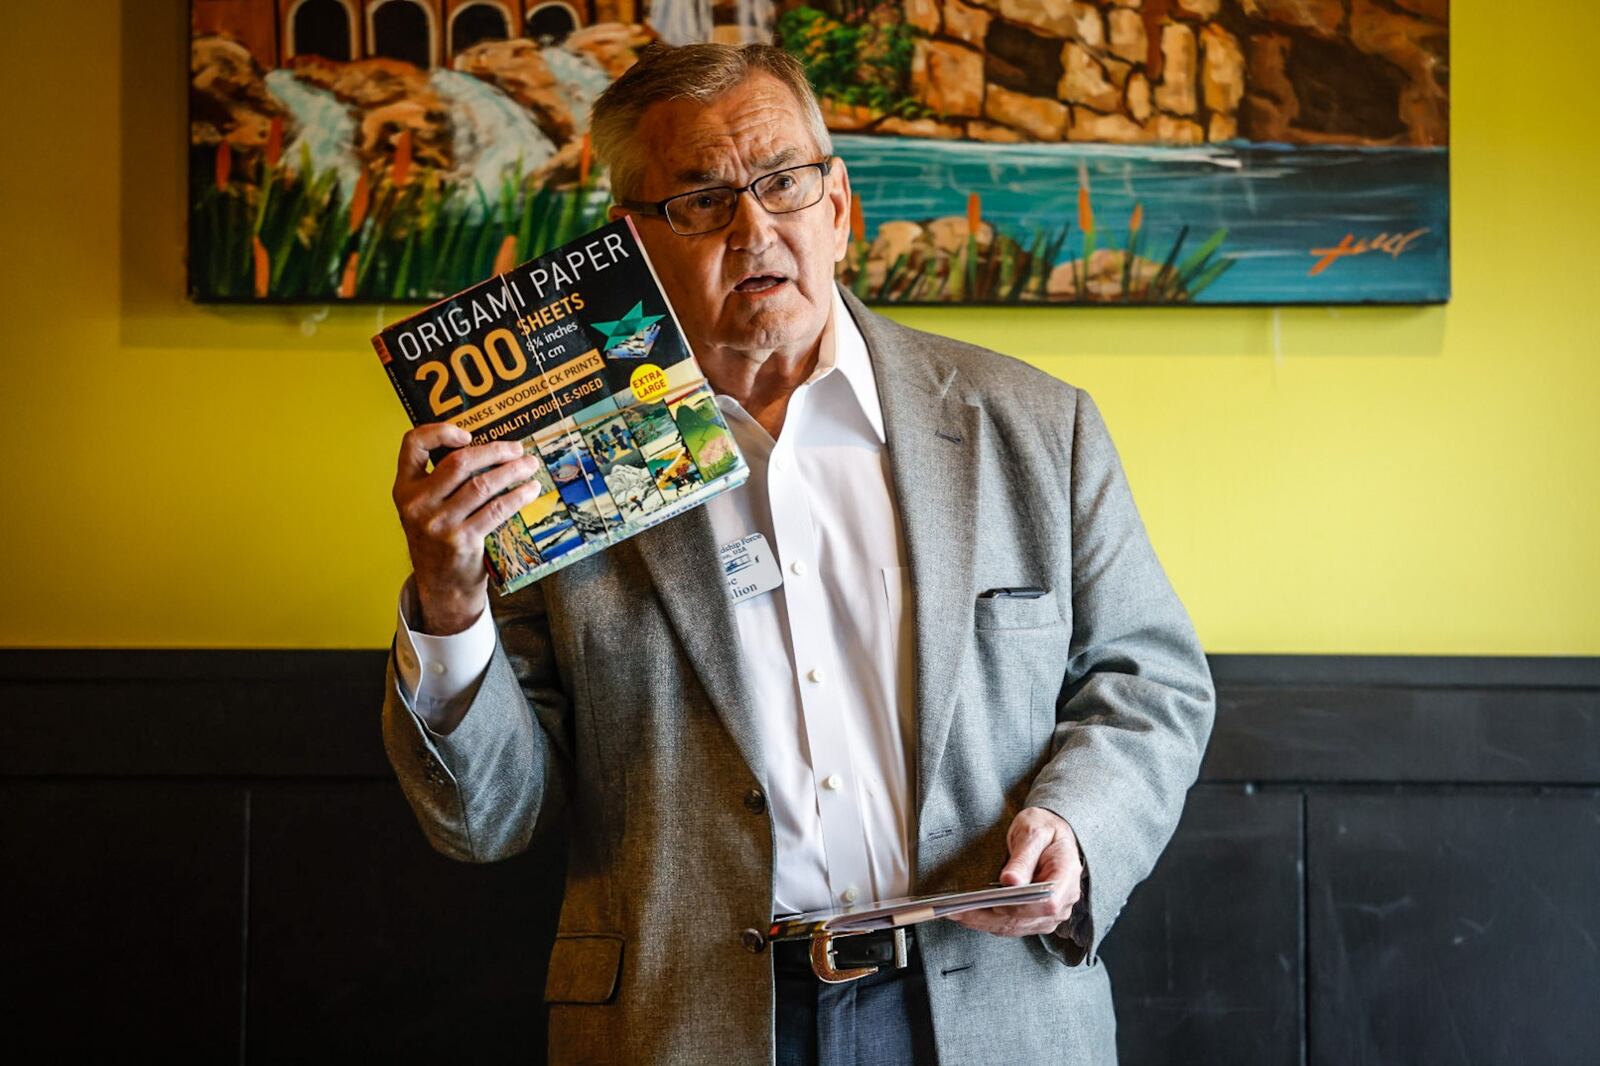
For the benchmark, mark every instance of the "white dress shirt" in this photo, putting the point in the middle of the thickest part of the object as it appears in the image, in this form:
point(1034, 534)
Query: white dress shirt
point(827, 653)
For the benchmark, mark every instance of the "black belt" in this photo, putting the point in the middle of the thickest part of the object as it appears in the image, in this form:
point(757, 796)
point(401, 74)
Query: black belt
point(859, 950)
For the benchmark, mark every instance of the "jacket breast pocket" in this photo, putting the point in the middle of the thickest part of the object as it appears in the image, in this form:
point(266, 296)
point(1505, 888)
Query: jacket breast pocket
point(1022, 647)
point(1015, 612)
point(583, 968)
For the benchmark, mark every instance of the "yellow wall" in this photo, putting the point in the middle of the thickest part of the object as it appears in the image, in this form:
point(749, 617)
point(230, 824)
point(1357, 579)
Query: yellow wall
point(1375, 481)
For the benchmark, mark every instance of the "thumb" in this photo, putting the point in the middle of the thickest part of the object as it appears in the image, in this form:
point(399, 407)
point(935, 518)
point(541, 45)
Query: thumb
point(1024, 858)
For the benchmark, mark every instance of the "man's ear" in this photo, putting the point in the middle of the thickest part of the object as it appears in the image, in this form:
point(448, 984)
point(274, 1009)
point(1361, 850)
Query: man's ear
point(614, 212)
point(839, 194)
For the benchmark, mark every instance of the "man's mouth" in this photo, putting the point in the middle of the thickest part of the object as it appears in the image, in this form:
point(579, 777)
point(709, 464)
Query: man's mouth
point(760, 282)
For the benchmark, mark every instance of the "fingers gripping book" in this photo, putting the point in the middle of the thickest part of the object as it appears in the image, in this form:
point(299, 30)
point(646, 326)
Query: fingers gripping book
point(578, 356)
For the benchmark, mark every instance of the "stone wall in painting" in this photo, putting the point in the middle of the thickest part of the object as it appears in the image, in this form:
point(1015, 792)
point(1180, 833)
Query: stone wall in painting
point(1350, 72)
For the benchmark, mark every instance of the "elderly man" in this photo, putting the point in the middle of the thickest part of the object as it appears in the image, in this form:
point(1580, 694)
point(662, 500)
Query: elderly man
point(972, 667)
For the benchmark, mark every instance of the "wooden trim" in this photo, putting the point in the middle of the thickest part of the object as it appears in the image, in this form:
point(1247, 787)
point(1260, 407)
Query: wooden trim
point(1281, 719)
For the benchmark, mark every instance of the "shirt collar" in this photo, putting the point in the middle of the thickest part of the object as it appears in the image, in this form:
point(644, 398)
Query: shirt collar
point(844, 349)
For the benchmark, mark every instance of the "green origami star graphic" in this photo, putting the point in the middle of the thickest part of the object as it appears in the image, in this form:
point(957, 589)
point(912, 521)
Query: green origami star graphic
point(634, 321)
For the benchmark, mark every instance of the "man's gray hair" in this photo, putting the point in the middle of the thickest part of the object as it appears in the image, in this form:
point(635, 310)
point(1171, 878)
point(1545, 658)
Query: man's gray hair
point(701, 72)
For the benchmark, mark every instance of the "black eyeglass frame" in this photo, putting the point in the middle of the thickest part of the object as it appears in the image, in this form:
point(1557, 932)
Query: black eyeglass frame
point(659, 207)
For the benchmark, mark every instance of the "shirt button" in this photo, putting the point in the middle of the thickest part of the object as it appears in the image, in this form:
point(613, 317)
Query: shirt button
point(833, 781)
point(798, 567)
point(849, 895)
point(815, 674)
point(437, 668)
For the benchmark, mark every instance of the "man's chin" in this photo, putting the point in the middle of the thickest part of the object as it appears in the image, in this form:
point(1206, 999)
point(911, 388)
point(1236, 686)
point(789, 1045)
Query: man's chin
point(768, 325)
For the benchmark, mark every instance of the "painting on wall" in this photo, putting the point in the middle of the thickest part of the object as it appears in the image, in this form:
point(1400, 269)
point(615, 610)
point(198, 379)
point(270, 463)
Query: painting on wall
point(1001, 151)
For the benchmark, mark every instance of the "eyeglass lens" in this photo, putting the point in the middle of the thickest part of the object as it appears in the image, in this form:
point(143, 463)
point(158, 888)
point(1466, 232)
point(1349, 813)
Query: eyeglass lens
point(779, 193)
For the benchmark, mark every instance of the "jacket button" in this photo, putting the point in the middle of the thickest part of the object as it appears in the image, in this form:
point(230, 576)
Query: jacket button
point(754, 801)
point(753, 941)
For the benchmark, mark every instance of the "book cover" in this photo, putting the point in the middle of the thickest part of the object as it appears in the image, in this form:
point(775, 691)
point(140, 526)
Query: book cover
point(577, 355)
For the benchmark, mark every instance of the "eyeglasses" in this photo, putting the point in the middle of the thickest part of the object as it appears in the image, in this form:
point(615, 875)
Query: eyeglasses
point(704, 210)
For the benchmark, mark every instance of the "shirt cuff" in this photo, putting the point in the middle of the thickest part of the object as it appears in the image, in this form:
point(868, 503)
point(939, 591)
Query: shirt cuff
point(435, 672)
point(1078, 927)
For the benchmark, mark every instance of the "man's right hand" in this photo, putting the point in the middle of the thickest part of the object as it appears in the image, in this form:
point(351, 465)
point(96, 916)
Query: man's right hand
point(447, 513)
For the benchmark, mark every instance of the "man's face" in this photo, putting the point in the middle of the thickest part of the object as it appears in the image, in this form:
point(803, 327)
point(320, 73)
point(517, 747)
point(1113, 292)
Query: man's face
point(764, 281)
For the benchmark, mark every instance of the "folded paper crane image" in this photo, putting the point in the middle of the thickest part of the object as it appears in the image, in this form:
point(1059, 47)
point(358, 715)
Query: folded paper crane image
point(631, 336)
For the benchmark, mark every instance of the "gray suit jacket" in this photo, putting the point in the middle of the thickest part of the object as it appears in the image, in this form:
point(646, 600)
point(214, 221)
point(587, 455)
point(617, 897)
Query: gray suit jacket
point(616, 700)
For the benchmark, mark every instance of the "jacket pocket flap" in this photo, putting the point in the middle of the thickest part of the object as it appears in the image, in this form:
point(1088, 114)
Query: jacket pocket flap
point(583, 968)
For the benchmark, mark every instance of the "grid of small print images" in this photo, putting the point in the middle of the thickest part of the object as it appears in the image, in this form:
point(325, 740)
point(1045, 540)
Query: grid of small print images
point(610, 466)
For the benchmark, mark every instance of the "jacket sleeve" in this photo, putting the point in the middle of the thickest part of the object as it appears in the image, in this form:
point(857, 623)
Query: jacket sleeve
point(1135, 713)
point(486, 788)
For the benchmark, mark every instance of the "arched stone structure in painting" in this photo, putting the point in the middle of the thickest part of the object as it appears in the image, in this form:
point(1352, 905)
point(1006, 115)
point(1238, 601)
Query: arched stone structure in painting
point(552, 22)
point(403, 29)
point(325, 28)
point(479, 21)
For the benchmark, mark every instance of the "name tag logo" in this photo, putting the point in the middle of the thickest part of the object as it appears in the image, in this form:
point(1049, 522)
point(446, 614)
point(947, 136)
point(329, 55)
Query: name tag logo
point(749, 567)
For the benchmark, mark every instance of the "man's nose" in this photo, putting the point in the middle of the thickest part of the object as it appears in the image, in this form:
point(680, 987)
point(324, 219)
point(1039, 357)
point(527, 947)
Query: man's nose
point(752, 225)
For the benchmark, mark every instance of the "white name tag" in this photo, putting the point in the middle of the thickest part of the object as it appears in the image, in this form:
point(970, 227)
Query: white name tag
point(749, 566)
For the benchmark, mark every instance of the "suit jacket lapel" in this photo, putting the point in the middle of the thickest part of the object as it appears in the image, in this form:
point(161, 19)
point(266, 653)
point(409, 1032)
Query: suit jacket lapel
point(681, 557)
point(936, 447)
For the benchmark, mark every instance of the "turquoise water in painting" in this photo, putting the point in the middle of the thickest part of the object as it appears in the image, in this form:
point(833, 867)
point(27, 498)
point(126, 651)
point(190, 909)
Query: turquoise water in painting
point(1278, 203)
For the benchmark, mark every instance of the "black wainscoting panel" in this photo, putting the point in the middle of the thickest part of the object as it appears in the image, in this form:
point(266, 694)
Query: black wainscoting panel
point(1205, 960)
point(123, 918)
point(1445, 813)
point(1454, 927)
point(1407, 671)
point(211, 713)
point(366, 945)
point(1424, 735)
point(1290, 719)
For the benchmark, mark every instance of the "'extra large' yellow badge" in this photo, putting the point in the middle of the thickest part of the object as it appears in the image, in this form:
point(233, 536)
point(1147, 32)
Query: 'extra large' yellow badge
point(649, 383)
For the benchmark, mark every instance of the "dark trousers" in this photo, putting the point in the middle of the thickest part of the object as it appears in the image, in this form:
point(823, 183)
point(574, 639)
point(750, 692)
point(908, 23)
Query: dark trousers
point(879, 1020)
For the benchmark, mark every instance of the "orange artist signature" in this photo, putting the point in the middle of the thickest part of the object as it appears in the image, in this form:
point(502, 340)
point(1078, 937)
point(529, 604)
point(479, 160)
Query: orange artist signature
point(1393, 243)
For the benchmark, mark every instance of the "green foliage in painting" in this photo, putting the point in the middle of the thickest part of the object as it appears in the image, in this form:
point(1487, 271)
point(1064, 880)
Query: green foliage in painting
point(857, 57)
point(264, 230)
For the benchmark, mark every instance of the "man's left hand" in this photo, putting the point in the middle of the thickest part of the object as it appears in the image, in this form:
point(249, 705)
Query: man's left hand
point(1043, 847)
